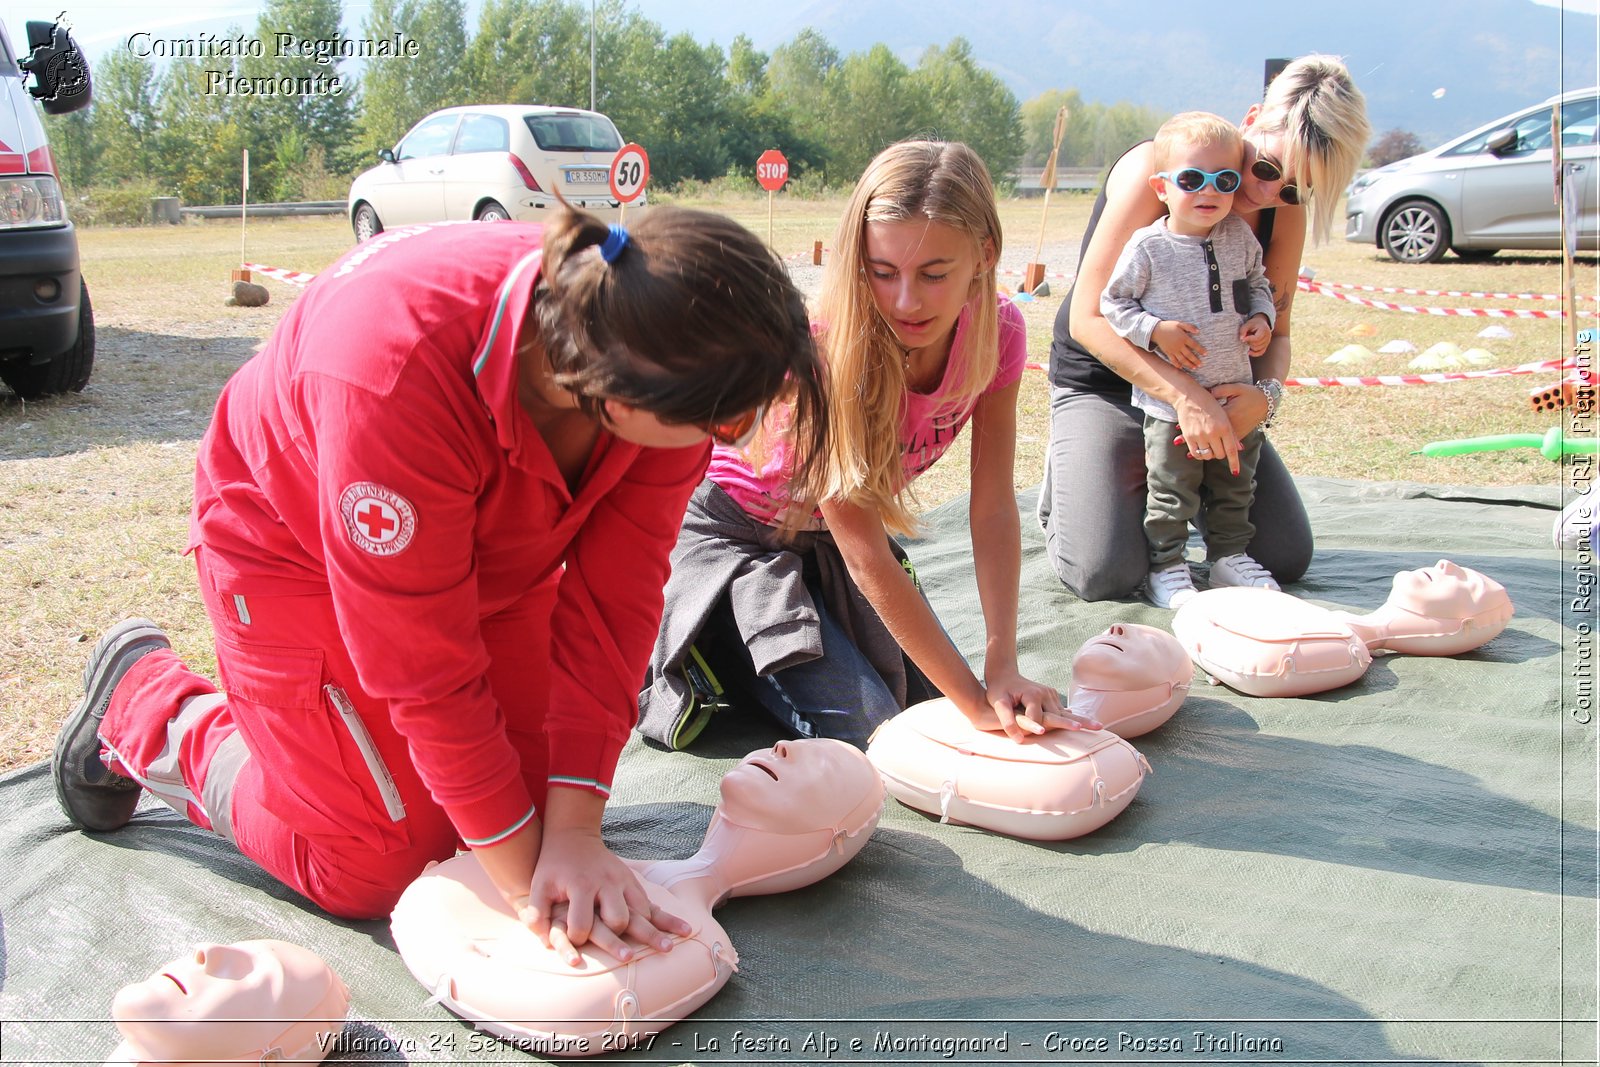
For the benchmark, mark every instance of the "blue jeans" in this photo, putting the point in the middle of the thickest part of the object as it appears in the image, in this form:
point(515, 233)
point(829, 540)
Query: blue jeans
point(839, 695)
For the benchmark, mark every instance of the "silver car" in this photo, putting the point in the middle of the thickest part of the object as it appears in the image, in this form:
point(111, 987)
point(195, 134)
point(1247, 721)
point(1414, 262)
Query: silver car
point(489, 162)
point(1491, 189)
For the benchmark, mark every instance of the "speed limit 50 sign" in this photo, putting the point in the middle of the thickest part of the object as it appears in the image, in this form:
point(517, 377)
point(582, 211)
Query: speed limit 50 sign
point(630, 173)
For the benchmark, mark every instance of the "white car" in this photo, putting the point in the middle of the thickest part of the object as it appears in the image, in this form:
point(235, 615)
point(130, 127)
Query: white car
point(490, 162)
point(1493, 188)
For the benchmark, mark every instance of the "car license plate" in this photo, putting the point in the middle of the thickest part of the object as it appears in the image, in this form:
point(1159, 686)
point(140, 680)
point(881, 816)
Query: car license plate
point(586, 177)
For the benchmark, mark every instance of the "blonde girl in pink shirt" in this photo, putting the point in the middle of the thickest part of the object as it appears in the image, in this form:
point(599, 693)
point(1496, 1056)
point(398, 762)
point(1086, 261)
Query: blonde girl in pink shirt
point(793, 596)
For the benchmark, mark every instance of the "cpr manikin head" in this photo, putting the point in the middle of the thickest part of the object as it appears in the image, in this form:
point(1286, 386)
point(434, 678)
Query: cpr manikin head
point(1442, 610)
point(249, 1002)
point(1131, 678)
point(789, 815)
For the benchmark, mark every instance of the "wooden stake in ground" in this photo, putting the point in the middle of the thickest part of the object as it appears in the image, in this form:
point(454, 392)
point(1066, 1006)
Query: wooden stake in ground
point(1033, 273)
point(1578, 422)
point(1568, 278)
point(243, 275)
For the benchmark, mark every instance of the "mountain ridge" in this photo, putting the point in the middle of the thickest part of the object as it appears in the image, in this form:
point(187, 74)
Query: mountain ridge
point(1489, 56)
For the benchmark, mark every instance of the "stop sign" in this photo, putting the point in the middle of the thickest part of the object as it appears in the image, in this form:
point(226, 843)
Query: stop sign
point(772, 170)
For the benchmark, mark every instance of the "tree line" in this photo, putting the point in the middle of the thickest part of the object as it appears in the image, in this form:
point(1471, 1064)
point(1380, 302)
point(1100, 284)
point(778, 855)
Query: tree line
point(161, 126)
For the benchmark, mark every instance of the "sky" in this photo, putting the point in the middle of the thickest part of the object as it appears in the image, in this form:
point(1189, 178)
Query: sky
point(101, 25)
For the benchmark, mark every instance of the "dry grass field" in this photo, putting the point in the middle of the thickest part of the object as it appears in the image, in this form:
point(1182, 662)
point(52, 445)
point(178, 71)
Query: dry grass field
point(95, 487)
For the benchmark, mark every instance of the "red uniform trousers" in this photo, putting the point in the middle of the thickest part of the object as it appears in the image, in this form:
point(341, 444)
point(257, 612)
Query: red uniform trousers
point(296, 763)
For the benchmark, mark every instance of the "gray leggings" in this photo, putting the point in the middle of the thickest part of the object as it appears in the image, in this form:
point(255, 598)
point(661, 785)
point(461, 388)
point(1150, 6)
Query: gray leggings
point(1092, 502)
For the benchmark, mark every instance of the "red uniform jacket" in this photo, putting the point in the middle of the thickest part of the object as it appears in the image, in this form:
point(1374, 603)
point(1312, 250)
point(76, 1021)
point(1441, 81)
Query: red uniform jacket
point(375, 450)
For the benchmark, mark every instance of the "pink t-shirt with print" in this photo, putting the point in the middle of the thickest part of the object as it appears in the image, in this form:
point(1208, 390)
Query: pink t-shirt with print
point(926, 431)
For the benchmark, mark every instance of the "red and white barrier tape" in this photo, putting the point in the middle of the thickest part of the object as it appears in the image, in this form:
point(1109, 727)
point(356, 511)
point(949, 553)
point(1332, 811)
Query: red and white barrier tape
point(1482, 313)
point(293, 277)
point(1437, 292)
point(805, 257)
point(1017, 274)
point(1542, 367)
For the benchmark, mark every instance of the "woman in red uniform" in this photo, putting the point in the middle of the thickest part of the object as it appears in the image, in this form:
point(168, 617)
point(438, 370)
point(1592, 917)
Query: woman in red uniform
point(432, 520)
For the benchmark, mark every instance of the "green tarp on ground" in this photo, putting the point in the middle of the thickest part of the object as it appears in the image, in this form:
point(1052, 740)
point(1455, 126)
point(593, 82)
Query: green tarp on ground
point(1400, 871)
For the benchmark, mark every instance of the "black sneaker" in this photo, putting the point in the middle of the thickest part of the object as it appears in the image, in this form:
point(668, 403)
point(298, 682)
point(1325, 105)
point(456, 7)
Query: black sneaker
point(92, 796)
point(706, 698)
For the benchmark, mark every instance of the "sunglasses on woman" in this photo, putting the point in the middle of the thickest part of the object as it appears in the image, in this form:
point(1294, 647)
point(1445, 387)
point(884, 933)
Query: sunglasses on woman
point(1268, 171)
point(738, 431)
point(1193, 179)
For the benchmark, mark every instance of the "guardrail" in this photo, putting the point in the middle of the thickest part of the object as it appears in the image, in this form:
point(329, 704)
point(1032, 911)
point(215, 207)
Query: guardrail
point(168, 209)
point(309, 207)
point(1068, 179)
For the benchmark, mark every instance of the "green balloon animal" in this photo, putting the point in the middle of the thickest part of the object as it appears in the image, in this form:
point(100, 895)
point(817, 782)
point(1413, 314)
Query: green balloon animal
point(1553, 445)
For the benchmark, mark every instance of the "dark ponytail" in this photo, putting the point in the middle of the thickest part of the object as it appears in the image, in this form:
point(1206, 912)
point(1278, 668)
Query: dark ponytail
point(694, 320)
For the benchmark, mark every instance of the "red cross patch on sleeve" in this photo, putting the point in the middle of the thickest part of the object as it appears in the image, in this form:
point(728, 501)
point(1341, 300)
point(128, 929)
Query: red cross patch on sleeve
point(378, 520)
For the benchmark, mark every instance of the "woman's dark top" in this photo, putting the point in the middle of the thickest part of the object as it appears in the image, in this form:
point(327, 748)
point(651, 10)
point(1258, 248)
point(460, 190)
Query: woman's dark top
point(1071, 365)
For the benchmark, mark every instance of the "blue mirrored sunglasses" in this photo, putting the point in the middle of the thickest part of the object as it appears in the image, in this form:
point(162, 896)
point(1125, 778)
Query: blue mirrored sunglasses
point(1193, 179)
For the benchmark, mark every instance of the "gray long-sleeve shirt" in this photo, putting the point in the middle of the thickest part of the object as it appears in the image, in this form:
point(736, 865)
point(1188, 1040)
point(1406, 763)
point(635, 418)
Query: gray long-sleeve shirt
point(1214, 282)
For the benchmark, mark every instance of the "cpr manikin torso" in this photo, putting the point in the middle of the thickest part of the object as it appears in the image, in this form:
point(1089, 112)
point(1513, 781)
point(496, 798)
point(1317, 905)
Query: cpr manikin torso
point(789, 816)
point(1054, 786)
point(1267, 643)
point(250, 1002)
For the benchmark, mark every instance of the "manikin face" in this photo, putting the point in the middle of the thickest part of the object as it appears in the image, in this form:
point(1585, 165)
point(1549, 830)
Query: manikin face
point(1445, 591)
point(223, 1002)
point(798, 787)
point(1130, 657)
point(1194, 214)
point(921, 274)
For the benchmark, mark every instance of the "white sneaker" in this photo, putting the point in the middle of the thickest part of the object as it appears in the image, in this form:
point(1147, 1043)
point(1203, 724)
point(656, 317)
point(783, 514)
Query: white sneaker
point(1170, 586)
point(1240, 569)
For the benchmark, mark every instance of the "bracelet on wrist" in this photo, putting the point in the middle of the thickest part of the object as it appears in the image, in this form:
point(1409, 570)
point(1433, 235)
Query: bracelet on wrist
point(1272, 389)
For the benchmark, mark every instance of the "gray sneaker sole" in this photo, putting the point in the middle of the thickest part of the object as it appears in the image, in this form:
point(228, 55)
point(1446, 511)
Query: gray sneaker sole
point(79, 736)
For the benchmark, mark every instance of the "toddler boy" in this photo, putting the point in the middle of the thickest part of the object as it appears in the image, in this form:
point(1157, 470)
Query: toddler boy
point(1191, 288)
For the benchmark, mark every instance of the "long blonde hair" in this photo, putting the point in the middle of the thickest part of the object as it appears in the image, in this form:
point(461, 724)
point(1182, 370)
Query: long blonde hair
point(944, 182)
point(1315, 105)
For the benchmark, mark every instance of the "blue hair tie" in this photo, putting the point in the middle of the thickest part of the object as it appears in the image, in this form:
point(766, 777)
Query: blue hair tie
point(614, 243)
